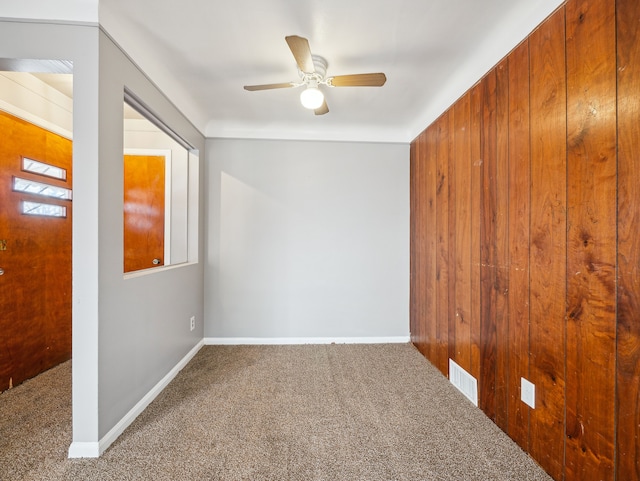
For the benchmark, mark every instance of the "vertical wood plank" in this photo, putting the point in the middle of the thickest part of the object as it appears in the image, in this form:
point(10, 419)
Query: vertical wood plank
point(442, 229)
point(488, 256)
point(628, 328)
point(462, 159)
point(475, 144)
point(453, 200)
point(422, 255)
point(427, 224)
point(591, 257)
point(501, 286)
point(431, 227)
point(548, 242)
point(519, 190)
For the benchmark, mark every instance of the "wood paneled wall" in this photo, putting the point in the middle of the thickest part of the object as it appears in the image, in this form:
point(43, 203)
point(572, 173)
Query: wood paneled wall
point(525, 240)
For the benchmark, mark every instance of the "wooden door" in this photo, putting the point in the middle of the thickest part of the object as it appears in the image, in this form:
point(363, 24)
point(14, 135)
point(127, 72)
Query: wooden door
point(35, 251)
point(144, 211)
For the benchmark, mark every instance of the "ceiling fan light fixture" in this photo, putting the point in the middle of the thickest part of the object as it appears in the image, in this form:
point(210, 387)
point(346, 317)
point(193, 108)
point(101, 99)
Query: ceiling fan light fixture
point(312, 71)
point(311, 98)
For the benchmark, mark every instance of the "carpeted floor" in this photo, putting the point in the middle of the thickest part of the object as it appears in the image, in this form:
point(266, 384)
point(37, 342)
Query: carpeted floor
point(317, 412)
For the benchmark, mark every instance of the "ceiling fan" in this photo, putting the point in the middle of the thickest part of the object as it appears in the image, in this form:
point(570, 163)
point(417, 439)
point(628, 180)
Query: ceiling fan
point(312, 70)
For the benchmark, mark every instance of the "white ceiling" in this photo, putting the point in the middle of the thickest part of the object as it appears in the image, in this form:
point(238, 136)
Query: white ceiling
point(202, 52)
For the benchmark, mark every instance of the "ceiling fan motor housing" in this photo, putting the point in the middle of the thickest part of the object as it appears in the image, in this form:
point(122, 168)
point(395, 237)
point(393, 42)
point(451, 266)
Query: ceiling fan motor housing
point(320, 65)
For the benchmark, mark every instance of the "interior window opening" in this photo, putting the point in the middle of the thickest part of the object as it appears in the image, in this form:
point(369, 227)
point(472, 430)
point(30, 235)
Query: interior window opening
point(160, 185)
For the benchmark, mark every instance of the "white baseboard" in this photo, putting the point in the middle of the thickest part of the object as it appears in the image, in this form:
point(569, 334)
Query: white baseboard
point(94, 450)
point(239, 341)
point(84, 450)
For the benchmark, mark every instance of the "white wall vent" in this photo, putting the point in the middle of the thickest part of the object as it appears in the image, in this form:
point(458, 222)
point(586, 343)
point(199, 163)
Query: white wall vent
point(464, 382)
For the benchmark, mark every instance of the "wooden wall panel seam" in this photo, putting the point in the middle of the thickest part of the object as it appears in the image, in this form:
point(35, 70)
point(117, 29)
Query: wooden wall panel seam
point(627, 420)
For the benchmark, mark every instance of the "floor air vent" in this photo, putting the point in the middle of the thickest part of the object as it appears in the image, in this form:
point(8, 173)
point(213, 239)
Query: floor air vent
point(464, 382)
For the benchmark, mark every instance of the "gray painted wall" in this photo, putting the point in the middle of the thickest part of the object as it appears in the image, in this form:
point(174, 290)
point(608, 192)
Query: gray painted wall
point(306, 239)
point(144, 321)
point(127, 334)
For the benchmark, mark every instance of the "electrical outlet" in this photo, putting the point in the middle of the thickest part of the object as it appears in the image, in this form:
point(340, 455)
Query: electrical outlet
point(528, 392)
point(193, 322)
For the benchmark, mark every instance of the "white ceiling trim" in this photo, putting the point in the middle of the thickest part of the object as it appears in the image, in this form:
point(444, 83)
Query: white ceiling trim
point(281, 131)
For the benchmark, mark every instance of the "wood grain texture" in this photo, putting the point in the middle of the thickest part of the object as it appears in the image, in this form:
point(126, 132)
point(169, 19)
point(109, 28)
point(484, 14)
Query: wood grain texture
point(628, 327)
point(419, 259)
point(452, 281)
point(462, 260)
point(501, 287)
point(475, 144)
point(519, 218)
point(418, 178)
point(35, 300)
point(548, 242)
point(431, 246)
point(591, 257)
point(488, 254)
point(442, 242)
point(554, 245)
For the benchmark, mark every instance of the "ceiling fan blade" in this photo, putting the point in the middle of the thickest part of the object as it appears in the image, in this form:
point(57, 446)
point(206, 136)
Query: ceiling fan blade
point(323, 109)
point(301, 52)
point(253, 88)
point(358, 80)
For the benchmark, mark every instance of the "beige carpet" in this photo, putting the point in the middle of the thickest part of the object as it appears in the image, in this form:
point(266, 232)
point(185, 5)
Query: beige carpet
point(325, 412)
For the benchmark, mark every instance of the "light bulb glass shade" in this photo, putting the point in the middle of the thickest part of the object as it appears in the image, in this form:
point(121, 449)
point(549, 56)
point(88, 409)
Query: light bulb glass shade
point(311, 98)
